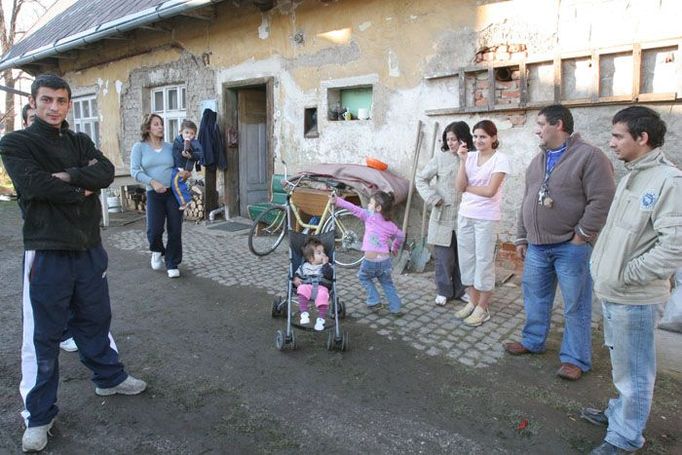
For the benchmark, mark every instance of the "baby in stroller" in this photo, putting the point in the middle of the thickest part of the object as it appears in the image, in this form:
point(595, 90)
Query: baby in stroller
point(313, 281)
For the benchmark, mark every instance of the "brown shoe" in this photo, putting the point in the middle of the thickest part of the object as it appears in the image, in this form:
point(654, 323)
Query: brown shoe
point(569, 371)
point(516, 348)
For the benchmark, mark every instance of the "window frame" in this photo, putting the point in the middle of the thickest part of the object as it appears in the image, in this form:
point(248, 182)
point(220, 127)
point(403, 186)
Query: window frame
point(172, 118)
point(91, 121)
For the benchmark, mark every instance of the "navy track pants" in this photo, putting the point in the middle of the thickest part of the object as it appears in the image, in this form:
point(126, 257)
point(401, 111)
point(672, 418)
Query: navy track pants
point(64, 289)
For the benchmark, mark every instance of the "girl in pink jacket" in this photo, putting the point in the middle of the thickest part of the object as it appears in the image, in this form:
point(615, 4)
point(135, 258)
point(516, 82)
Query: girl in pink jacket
point(382, 237)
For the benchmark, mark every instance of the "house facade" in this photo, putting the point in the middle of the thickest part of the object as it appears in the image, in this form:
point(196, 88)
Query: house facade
point(276, 72)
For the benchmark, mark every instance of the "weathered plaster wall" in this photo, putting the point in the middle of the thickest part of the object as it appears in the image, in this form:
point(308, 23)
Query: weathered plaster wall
point(309, 47)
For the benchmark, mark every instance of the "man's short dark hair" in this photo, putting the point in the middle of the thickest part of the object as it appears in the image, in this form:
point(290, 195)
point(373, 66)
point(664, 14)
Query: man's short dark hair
point(49, 81)
point(640, 119)
point(557, 112)
point(24, 112)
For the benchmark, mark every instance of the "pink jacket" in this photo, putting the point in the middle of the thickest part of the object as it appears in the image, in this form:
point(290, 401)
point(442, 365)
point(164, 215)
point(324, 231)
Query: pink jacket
point(381, 236)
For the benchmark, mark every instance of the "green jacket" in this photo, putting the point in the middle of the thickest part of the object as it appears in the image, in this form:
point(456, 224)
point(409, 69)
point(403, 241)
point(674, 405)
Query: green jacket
point(640, 246)
point(443, 166)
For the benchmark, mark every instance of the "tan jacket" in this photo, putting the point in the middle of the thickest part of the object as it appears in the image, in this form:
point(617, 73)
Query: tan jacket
point(640, 246)
point(443, 220)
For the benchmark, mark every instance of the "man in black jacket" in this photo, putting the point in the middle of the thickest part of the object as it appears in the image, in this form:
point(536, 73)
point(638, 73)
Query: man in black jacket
point(59, 174)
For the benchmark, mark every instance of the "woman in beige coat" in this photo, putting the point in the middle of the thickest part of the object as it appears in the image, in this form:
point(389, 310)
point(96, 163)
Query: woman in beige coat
point(440, 195)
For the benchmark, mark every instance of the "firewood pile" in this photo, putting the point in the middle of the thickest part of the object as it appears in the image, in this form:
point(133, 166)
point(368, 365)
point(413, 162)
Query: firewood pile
point(133, 198)
point(195, 209)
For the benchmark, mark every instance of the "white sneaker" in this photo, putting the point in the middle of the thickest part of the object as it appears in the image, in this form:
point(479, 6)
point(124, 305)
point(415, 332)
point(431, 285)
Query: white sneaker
point(319, 324)
point(157, 261)
point(131, 386)
point(173, 273)
point(441, 299)
point(465, 312)
point(305, 318)
point(478, 317)
point(465, 298)
point(68, 345)
point(35, 438)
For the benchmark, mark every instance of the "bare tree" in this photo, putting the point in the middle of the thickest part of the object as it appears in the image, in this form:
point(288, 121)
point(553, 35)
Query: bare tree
point(10, 32)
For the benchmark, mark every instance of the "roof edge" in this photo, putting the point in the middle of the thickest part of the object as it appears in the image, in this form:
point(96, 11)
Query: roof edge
point(165, 10)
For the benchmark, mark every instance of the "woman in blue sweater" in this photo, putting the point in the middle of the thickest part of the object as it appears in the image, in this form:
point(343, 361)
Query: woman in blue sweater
point(151, 163)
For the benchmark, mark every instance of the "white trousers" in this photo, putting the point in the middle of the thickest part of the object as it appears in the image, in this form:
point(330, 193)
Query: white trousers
point(476, 248)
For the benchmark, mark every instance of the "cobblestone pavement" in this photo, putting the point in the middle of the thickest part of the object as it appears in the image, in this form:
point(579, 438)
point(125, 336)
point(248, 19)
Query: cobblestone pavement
point(225, 257)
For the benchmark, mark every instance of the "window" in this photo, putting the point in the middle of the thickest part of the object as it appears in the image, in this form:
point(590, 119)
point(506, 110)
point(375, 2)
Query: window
point(85, 117)
point(170, 103)
point(357, 101)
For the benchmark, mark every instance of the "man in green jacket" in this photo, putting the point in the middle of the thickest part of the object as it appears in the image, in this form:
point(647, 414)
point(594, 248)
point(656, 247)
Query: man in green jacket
point(638, 251)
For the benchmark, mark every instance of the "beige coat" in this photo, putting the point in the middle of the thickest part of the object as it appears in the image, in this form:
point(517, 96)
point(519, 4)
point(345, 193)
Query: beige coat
point(443, 166)
point(640, 246)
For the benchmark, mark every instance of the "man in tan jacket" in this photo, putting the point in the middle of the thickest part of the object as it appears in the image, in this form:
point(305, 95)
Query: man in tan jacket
point(637, 252)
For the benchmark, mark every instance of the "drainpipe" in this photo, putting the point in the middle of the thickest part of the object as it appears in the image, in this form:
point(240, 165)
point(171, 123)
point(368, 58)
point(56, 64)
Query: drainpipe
point(219, 210)
point(163, 11)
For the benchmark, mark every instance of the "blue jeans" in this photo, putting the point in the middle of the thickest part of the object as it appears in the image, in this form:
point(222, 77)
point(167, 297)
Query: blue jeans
point(568, 265)
point(381, 270)
point(629, 335)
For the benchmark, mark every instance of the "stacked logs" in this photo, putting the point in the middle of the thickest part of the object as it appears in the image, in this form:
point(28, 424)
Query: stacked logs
point(195, 209)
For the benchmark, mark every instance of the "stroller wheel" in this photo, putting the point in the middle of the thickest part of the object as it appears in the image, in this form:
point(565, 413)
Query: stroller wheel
point(291, 341)
point(345, 341)
point(330, 340)
point(341, 309)
point(276, 308)
point(279, 340)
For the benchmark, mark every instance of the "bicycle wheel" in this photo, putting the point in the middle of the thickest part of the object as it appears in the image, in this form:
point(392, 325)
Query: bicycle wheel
point(348, 237)
point(268, 230)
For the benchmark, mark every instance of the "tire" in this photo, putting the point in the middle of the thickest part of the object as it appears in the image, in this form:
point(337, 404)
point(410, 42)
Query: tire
point(341, 309)
point(348, 237)
point(292, 341)
point(268, 231)
point(345, 342)
point(279, 340)
point(330, 341)
point(276, 309)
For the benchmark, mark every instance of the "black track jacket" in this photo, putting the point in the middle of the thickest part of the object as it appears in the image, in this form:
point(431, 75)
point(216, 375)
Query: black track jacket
point(58, 216)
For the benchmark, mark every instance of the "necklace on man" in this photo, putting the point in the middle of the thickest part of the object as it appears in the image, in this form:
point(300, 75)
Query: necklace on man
point(544, 198)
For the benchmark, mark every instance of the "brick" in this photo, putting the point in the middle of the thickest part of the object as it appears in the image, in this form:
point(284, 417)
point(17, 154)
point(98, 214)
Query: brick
point(511, 94)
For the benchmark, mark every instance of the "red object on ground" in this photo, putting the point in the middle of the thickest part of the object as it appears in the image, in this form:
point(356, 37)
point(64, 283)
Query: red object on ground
point(522, 425)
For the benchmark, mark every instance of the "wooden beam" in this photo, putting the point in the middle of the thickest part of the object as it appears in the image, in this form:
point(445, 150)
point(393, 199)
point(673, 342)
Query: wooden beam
point(462, 89)
point(636, 70)
point(523, 84)
point(596, 76)
point(491, 85)
point(197, 16)
point(557, 79)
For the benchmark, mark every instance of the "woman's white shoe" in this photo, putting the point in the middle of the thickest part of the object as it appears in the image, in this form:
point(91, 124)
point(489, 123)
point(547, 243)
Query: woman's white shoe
point(441, 299)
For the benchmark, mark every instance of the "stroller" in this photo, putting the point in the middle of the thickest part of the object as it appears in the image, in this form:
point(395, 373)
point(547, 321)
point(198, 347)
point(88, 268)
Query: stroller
point(281, 307)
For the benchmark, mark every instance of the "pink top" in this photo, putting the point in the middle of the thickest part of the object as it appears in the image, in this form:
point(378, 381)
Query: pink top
point(381, 236)
point(480, 207)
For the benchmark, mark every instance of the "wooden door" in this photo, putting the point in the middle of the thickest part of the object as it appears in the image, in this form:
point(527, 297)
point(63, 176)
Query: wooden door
point(253, 149)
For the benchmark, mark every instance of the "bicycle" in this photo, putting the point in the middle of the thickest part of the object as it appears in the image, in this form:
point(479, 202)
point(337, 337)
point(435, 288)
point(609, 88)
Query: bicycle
point(270, 227)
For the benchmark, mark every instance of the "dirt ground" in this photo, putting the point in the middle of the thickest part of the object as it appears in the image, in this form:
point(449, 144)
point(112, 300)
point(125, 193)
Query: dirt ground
point(217, 384)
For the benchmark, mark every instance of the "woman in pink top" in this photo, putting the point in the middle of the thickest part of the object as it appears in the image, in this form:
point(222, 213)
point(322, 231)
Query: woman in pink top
point(479, 178)
point(382, 237)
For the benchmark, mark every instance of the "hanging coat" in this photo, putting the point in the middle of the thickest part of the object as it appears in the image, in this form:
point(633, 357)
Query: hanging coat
point(211, 139)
